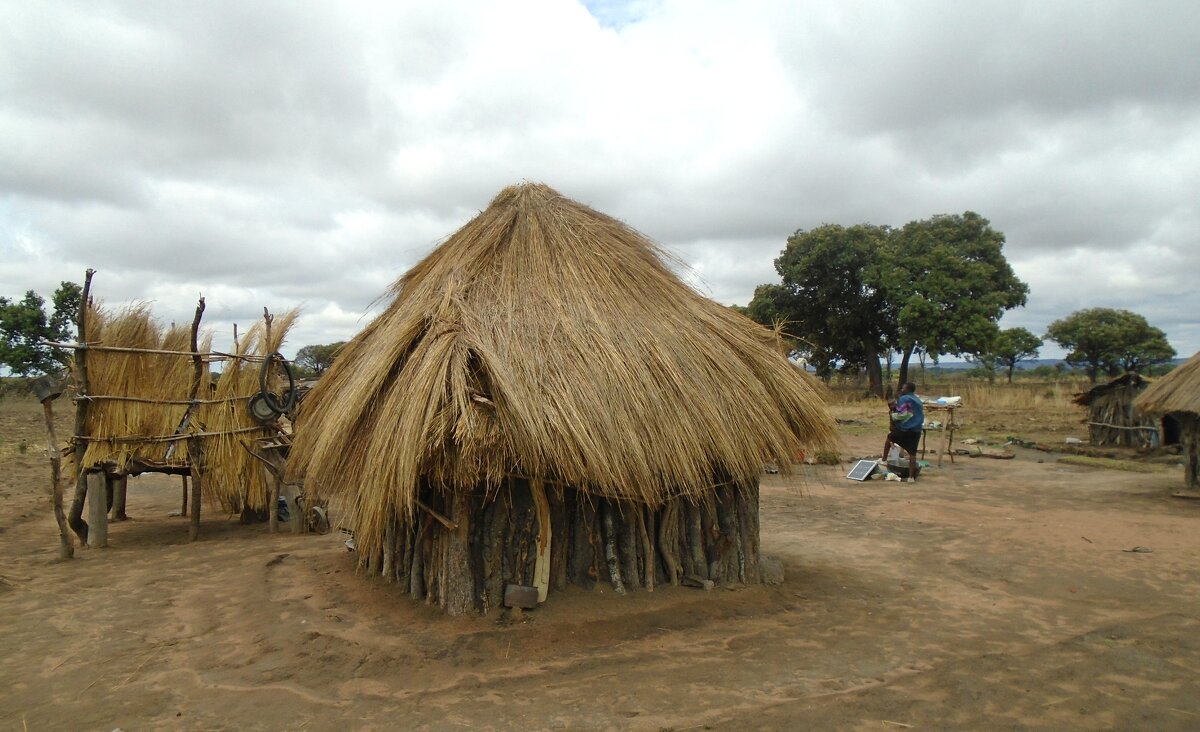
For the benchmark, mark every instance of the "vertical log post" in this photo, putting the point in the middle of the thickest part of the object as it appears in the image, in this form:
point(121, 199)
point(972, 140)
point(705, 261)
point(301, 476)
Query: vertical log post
point(541, 567)
point(457, 589)
point(78, 525)
point(183, 509)
point(66, 545)
point(120, 489)
point(389, 549)
point(195, 447)
point(97, 501)
point(648, 556)
point(1190, 442)
point(610, 547)
point(273, 500)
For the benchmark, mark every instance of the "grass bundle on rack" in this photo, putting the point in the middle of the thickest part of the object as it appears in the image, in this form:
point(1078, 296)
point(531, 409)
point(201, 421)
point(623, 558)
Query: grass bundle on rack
point(232, 477)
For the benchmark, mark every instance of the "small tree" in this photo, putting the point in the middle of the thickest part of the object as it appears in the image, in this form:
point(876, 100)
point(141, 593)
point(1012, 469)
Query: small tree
point(1110, 340)
point(1013, 345)
point(316, 359)
point(24, 324)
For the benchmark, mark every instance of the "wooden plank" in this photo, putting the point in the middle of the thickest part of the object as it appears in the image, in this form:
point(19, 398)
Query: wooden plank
point(541, 567)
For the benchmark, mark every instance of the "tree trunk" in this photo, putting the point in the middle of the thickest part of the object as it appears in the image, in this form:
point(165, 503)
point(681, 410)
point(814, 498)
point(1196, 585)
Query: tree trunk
point(874, 373)
point(903, 375)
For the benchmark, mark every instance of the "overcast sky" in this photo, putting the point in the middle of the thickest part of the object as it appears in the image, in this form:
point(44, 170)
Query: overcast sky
point(285, 153)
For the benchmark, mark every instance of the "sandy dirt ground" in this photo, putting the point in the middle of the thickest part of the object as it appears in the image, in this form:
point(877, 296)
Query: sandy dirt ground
point(990, 595)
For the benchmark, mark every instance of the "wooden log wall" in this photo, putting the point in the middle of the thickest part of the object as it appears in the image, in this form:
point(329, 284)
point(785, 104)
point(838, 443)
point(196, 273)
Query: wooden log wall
point(461, 551)
point(1112, 417)
point(1190, 437)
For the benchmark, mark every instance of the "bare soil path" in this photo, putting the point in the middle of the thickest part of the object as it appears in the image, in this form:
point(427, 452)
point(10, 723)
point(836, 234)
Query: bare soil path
point(990, 595)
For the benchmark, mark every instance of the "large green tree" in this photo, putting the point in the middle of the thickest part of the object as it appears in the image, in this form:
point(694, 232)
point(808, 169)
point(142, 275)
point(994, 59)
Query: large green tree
point(1110, 340)
point(854, 293)
point(25, 323)
point(951, 283)
point(316, 359)
point(831, 297)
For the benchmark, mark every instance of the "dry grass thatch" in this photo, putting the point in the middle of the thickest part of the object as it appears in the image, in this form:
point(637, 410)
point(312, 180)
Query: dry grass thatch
point(152, 377)
point(231, 475)
point(549, 340)
point(1178, 391)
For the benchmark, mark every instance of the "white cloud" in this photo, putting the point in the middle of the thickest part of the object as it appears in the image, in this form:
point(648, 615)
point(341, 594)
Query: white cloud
point(280, 154)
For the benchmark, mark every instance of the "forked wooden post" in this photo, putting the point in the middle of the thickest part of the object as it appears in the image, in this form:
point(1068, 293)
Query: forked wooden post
point(195, 447)
point(78, 525)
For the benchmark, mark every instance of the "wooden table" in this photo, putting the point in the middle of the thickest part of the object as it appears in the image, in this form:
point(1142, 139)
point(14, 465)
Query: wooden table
point(947, 427)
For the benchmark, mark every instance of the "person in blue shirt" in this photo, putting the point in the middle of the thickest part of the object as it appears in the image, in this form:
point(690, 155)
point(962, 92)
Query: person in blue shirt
point(908, 419)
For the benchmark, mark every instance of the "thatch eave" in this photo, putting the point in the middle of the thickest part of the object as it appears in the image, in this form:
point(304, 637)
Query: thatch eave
point(1177, 392)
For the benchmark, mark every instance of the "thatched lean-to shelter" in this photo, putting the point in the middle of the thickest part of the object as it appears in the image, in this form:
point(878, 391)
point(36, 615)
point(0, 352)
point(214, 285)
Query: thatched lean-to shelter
point(145, 404)
point(545, 402)
point(1113, 418)
point(1177, 395)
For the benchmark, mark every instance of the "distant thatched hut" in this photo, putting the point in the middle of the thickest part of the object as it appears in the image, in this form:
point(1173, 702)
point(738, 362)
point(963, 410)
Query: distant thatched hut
point(544, 402)
point(1113, 418)
point(1177, 396)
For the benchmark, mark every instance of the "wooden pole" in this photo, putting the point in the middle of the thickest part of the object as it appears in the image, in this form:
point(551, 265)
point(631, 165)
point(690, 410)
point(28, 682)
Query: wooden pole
point(197, 453)
point(183, 509)
point(195, 446)
point(97, 501)
point(120, 488)
point(66, 545)
point(458, 581)
point(78, 525)
point(389, 549)
point(541, 567)
point(273, 502)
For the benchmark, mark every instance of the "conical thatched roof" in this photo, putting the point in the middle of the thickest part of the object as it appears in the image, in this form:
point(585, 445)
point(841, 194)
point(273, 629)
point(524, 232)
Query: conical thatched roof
point(1178, 391)
point(546, 339)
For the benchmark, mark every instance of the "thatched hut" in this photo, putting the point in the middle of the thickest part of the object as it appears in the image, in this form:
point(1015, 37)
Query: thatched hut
point(1113, 418)
point(545, 402)
point(1177, 396)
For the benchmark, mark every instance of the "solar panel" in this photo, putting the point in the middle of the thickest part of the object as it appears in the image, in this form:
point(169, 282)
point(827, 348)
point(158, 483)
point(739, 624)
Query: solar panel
point(862, 470)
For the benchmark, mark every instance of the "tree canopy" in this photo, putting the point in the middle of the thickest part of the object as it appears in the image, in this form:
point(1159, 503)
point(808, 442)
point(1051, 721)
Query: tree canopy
point(938, 285)
point(316, 359)
point(25, 322)
point(1012, 346)
point(1110, 340)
